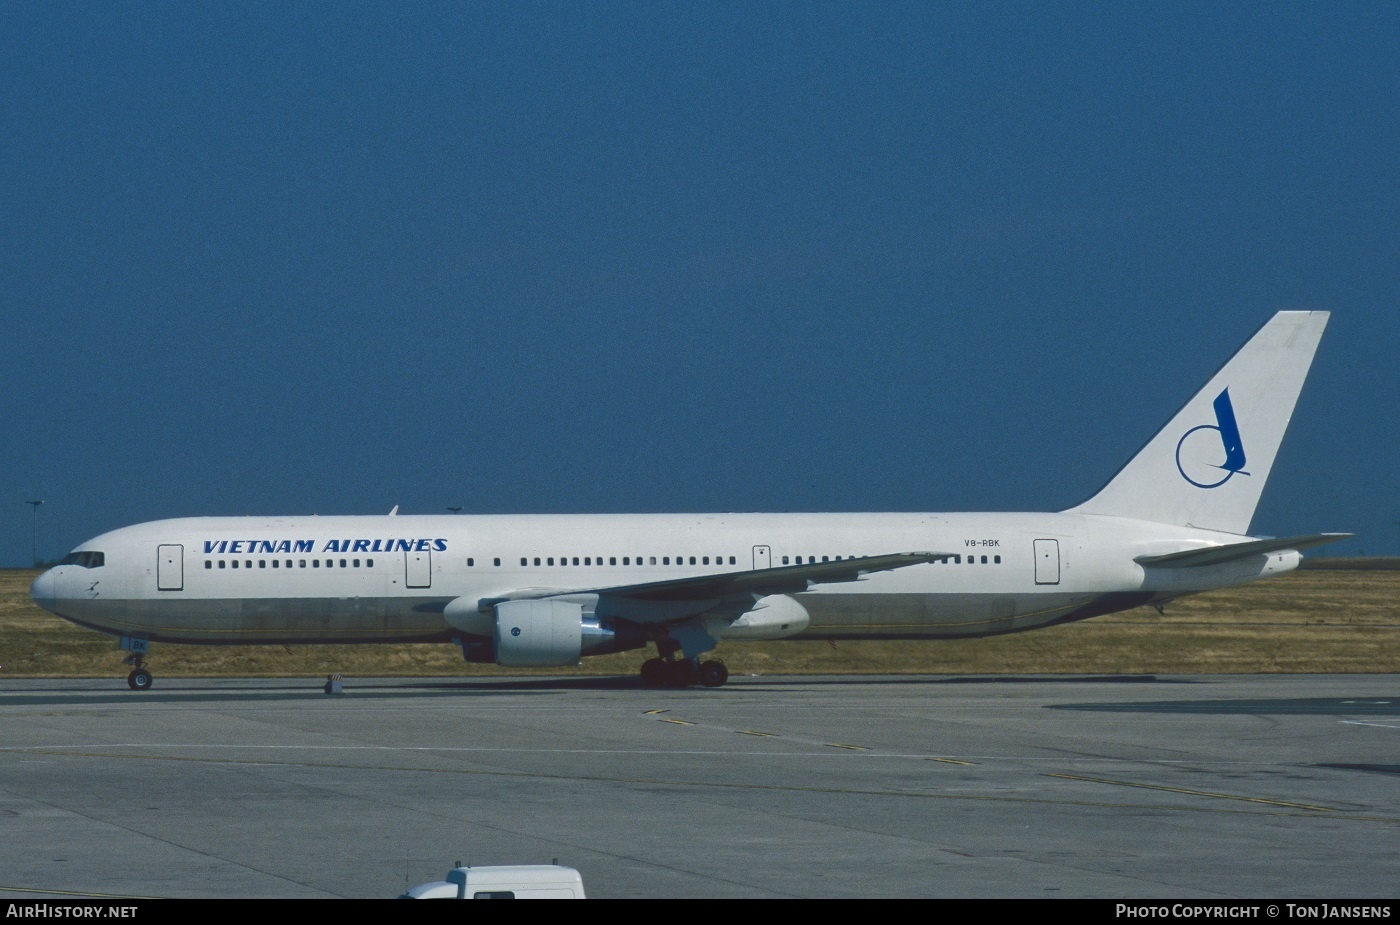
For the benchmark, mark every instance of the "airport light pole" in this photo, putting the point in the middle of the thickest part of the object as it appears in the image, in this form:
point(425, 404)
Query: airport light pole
point(34, 535)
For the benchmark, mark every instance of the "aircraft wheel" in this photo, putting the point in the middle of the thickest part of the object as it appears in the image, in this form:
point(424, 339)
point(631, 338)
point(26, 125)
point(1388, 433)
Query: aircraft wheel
point(681, 673)
point(713, 673)
point(653, 673)
point(139, 680)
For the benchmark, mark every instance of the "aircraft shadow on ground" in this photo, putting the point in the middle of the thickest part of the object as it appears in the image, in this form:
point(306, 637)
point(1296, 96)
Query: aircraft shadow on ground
point(1315, 706)
point(183, 690)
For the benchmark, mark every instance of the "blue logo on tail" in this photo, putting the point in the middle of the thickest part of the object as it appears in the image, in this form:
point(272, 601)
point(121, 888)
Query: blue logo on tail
point(1197, 451)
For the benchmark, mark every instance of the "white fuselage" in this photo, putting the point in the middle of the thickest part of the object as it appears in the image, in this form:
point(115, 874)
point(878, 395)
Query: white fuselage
point(390, 578)
point(546, 590)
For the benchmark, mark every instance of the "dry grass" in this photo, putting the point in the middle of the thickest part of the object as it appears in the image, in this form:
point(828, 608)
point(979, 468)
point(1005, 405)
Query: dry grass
point(1309, 621)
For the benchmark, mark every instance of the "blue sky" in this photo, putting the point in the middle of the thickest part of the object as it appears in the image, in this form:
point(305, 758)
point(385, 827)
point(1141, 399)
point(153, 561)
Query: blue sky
point(332, 257)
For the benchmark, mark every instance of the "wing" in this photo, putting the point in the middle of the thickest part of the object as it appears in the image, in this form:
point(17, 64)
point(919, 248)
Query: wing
point(680, 598)
point(786, 579)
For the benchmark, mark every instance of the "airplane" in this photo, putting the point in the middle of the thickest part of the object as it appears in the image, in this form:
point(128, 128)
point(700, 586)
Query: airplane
point(545, 590)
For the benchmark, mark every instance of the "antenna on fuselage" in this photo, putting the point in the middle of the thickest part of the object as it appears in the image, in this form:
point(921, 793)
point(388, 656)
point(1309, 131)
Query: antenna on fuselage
point(395, 511)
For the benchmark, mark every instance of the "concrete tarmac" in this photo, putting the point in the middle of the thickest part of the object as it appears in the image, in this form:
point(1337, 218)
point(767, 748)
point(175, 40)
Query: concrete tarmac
point(1206, 787)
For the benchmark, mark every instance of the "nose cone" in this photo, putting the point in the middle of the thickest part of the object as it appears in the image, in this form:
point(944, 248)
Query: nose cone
point(44, 591)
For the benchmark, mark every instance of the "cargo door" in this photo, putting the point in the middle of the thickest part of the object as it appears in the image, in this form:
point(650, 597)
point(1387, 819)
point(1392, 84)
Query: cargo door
point(170, 568)
point(418, 569)
point(1047, 562)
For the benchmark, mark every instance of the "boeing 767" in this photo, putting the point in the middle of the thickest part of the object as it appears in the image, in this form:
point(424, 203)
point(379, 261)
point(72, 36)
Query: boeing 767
point(547, 590)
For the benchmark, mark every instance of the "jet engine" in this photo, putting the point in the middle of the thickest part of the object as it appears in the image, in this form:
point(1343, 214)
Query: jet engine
point(538, 634)
point(545, 633)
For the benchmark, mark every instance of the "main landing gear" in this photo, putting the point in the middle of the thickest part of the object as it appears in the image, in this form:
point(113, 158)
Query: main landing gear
point(671, 668)
point(683, 672)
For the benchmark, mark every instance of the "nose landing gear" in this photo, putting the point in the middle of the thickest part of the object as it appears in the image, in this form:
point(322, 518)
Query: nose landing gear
point(140, 679)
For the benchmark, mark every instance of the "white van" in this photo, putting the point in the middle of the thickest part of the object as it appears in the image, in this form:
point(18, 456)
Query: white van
point(516, 881)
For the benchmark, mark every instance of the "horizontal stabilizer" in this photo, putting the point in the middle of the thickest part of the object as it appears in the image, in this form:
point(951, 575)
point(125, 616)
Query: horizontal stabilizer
point(1216, 555)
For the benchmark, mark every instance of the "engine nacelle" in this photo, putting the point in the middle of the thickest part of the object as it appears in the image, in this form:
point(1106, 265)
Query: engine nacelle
point(538, 634)
point(543, 633)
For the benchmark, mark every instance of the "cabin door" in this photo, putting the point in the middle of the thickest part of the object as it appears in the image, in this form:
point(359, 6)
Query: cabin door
point(170, 568)
point(1047, 562)
point(762, 557)
point(418, 569)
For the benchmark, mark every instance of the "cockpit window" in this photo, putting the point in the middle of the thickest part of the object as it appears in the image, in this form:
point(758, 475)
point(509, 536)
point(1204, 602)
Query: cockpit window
point(87, 559)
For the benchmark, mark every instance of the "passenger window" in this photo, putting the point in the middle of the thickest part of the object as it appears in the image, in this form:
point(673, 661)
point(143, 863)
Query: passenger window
point(369, 563)
point(357, 563)
point(262, 563)
point(984, 560)
point(276, 563)
point(731, 560)
point(301, 563)
point(692, 560)
point(653, 560)
point(996, 560)
point(497, 562)
point(612, 560)
point(470, 563)
point(706, 561)
point(208, 564)
point(221, 563)
point(785, 560)
point(235, 563)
